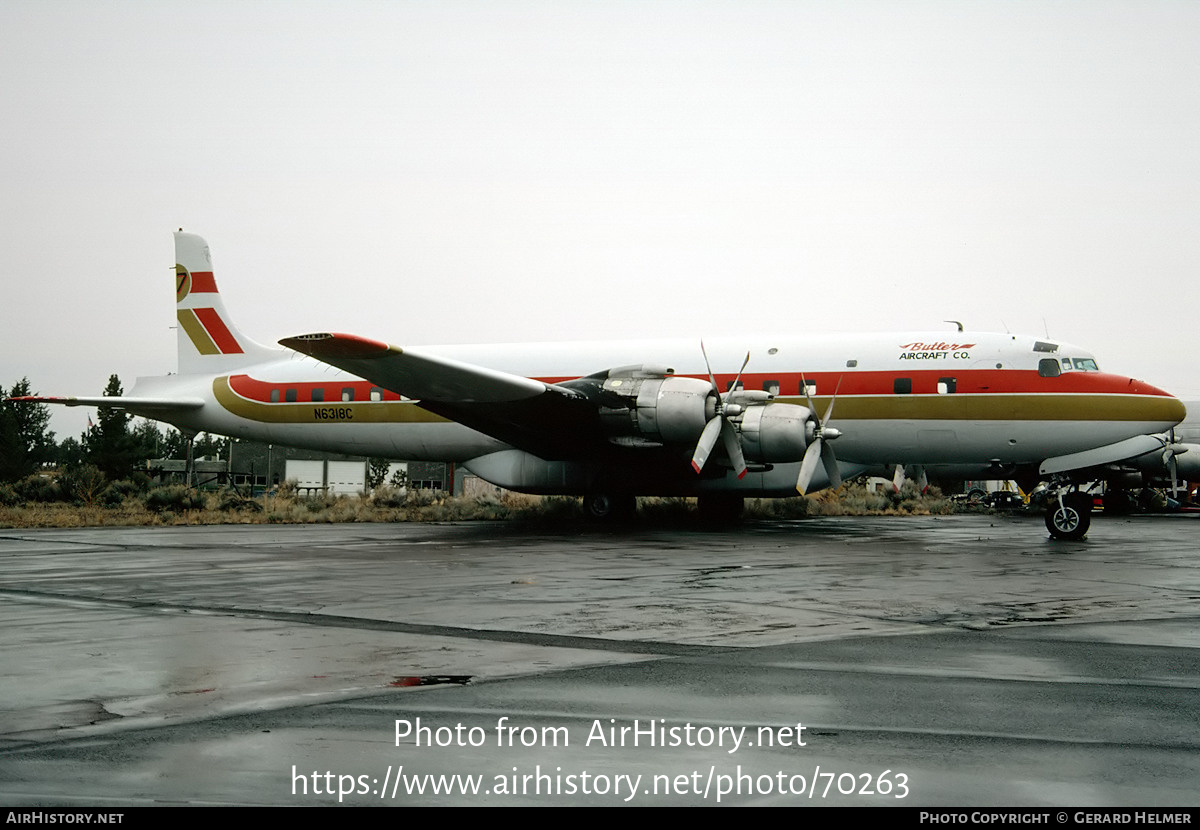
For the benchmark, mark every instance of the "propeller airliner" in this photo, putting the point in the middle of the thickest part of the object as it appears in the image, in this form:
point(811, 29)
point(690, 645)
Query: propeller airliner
point(612, 421)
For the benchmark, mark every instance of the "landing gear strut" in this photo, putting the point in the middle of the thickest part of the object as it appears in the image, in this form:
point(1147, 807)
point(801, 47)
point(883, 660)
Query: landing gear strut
point(1069, 516)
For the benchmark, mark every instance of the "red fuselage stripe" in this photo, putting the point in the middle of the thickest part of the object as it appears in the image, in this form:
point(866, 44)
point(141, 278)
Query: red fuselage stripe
point(849, 384)
point(259, 390)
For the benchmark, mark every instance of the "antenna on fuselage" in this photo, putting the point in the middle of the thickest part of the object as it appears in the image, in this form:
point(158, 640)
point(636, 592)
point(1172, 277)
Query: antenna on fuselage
point(955, 322)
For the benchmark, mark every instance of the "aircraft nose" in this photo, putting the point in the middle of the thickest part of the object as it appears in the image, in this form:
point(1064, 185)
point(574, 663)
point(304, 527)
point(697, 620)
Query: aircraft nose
point(1157, 404)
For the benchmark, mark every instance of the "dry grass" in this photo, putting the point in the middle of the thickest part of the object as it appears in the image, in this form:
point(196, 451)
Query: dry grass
point(177, 506)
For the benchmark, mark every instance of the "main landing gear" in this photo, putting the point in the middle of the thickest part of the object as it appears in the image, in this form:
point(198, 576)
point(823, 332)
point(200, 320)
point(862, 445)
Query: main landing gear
point(610, 507)
point(716, 509)
point(1069, 516)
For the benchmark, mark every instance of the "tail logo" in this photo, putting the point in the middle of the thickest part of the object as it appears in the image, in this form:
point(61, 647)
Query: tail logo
point(183, 283)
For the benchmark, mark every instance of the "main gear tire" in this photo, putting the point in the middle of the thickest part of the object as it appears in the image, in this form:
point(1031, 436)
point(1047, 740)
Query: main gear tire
point(610, 507)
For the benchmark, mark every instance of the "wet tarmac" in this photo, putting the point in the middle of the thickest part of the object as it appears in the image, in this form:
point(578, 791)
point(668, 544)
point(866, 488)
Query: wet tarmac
point(920, 661)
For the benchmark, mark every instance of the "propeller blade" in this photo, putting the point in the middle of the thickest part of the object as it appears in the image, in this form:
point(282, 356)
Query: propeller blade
point(738, 379)
point(712, 379)
point(733, 446)
point(808, 466)
point(829, 412)
point(708, 440)
point(831, 466)
point(804, 385)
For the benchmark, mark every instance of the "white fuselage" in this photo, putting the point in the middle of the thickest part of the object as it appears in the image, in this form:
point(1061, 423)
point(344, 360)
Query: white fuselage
point(907, 398)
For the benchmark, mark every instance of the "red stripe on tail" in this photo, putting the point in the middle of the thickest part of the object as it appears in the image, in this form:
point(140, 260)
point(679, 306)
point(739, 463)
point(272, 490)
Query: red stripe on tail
point(203, 283)
point(216, 328)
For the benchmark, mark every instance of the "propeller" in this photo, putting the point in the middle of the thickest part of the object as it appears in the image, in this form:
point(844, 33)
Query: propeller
point(720, 424)
point(731, 404)
point(818, 446)
point(1168, 457)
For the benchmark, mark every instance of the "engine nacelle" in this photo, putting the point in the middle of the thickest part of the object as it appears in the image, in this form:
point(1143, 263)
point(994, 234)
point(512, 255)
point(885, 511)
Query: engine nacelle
point(775, 433)
point(670, 410)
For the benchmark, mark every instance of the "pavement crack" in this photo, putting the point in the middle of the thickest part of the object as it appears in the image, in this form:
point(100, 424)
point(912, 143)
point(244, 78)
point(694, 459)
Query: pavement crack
point(369, 624)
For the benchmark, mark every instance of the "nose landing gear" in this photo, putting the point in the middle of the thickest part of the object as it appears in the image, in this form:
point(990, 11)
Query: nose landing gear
point(1069, 516)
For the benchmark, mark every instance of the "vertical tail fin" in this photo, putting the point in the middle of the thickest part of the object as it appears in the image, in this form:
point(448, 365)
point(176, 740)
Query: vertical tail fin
point(208, 340)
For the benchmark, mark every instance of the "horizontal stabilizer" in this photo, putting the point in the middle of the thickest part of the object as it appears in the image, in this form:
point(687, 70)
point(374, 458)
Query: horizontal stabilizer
point(1110, 454)
point(415, 375)
point(138, 406)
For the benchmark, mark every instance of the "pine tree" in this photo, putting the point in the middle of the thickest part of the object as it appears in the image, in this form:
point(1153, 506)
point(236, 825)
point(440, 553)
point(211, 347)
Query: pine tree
point(110, 446)
point(377, 471)
point(26, 441)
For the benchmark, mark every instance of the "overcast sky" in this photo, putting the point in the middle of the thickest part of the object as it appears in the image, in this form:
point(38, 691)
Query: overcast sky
point(442, 172)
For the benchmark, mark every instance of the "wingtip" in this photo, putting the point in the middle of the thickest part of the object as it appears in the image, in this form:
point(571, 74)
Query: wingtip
point(326, 344)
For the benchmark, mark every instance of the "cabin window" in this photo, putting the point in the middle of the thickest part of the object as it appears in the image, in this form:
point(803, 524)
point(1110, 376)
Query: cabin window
point(902, 386)
point(729, 386)
point(318, 394)
point(376, 393)
point(1041, 346)
point(809, 388)
point(1048, 368)
point(290, 395)
point(850, 364)
point(771, 387)
point(347, 393)
point(274, 396)
point(1086, 364)
point(947, 386)
point(1066, 364)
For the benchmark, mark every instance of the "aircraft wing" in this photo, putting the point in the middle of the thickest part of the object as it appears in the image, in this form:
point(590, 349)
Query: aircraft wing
point(546, 419)
point(1126, 450)
point(413, 374)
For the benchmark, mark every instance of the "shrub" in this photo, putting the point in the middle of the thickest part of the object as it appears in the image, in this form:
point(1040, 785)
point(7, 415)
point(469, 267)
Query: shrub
point(175, 497)
point(235, 501)
point(386, 495)
point(422, 498)
point(114, 495)
point(38, 489)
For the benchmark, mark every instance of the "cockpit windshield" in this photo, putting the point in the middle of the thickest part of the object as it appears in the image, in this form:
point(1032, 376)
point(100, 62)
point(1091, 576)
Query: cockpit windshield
point(1048, 367)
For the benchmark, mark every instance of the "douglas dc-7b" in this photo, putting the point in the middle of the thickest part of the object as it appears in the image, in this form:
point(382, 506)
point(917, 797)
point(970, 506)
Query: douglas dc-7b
point(528, 417)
